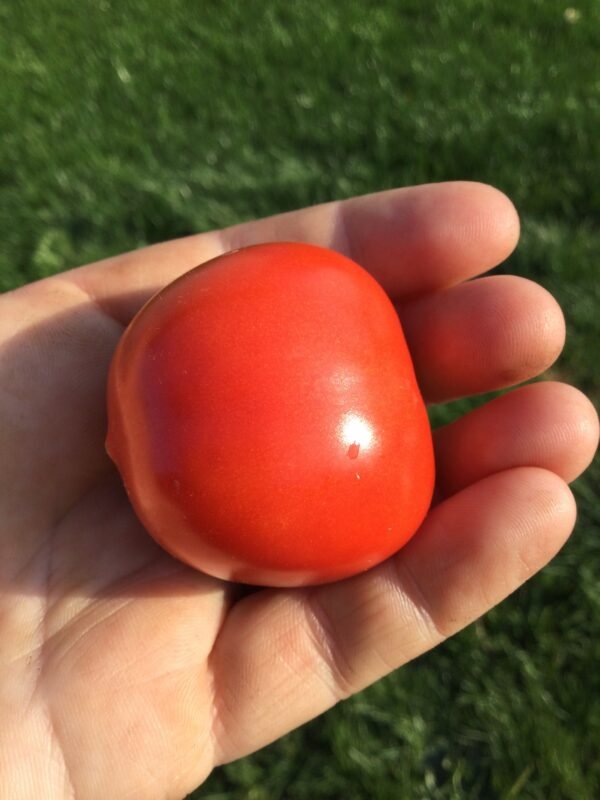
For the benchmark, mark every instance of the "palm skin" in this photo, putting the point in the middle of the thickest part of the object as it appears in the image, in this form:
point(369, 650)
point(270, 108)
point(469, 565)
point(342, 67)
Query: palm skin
point(125, 674)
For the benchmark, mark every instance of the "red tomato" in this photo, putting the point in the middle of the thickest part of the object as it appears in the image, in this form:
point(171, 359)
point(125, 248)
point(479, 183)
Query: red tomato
point(266, 420)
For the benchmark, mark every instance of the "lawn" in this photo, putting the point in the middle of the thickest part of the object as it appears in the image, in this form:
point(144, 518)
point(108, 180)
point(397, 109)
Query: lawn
point(129, 122)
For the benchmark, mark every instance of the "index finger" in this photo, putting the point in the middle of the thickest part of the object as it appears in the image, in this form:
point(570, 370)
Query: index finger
point(412, 240)
point(284, 656)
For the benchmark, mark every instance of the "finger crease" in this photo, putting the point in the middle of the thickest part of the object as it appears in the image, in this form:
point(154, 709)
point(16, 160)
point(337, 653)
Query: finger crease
point(421, 605)
point(327, 643)
point(341, 238)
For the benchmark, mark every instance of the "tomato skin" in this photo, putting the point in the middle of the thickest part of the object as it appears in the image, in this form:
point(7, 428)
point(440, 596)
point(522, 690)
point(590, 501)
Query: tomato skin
point(266, 420)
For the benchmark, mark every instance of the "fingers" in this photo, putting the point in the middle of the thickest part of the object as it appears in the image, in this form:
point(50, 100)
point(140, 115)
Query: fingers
point(482, 335)
point(284, 657)
point(548, 425)
point(412, 240)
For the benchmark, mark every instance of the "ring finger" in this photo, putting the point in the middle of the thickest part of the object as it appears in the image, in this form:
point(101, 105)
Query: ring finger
point(482, 335)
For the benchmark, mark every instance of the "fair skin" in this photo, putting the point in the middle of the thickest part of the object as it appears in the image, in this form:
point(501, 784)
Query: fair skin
point(125, 674)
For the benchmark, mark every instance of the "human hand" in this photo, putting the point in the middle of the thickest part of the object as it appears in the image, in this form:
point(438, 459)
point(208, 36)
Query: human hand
point(124, 673)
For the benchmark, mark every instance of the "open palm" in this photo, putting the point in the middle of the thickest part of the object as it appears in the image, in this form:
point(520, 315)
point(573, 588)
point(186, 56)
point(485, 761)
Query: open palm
point(125, 674)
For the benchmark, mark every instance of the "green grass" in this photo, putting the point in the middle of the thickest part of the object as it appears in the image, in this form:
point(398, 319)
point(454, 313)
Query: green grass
point(124, 123)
